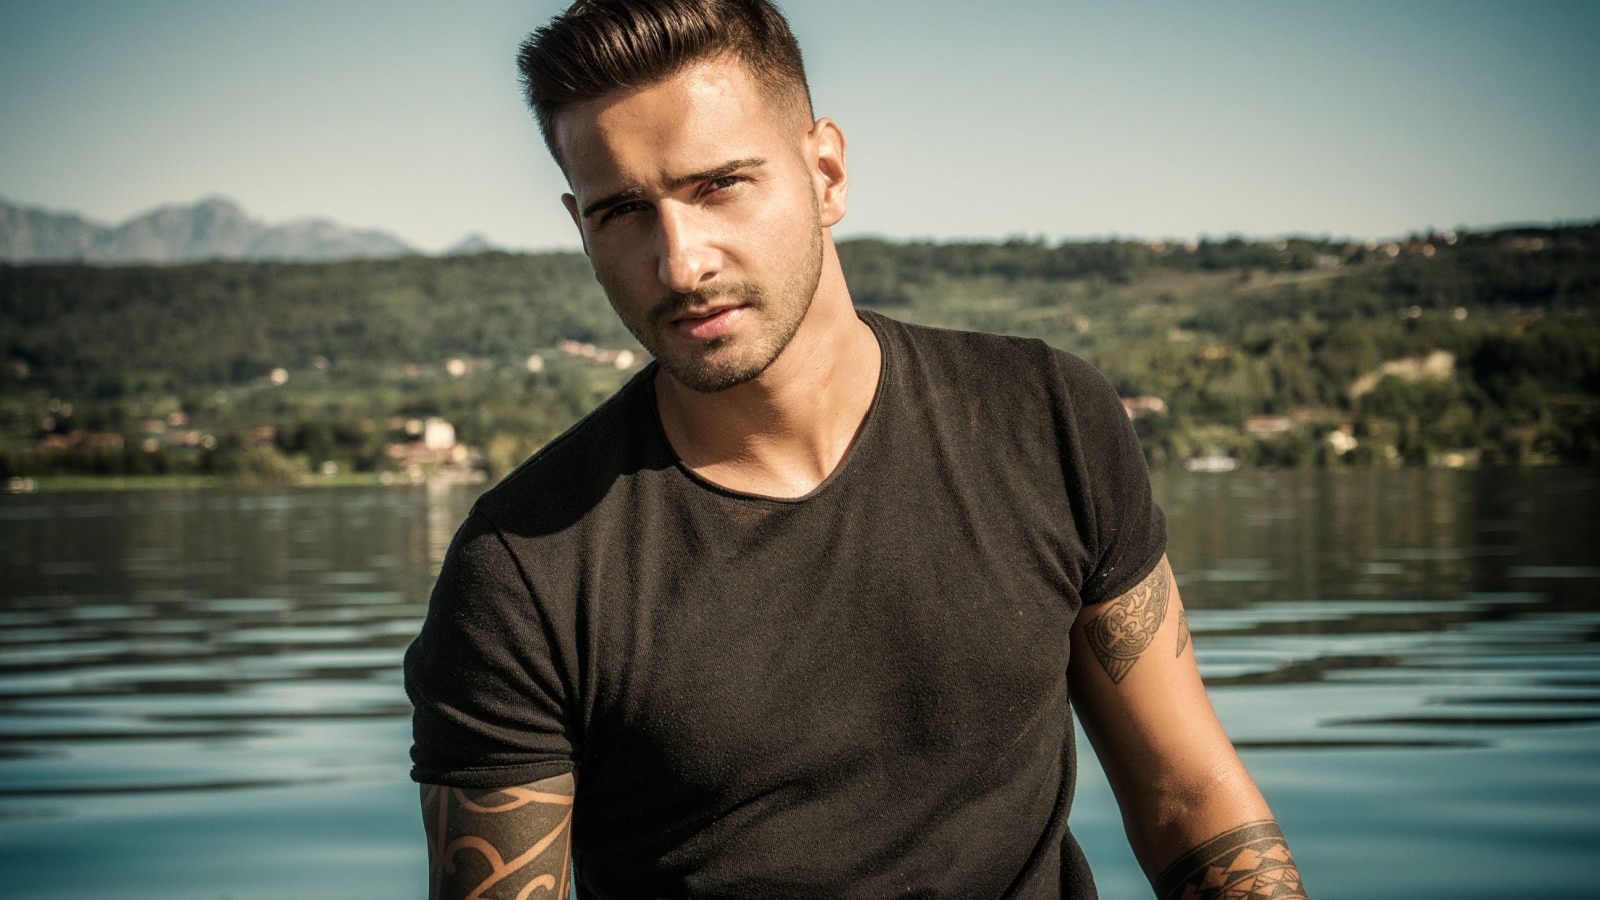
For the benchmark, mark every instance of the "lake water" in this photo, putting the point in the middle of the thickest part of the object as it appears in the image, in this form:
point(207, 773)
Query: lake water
point(200, 693)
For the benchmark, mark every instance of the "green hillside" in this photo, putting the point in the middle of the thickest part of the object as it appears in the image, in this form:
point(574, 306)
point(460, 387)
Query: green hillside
point(1477, 348)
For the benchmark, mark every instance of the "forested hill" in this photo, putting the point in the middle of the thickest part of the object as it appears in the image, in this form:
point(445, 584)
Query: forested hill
point(111, 331)
point(1449, 349)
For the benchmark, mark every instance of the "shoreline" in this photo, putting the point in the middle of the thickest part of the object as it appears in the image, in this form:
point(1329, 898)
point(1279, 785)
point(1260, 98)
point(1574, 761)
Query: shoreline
point(56, 484)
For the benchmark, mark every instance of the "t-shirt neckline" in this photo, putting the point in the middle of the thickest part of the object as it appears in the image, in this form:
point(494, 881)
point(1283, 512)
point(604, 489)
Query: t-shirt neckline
point(863, 434)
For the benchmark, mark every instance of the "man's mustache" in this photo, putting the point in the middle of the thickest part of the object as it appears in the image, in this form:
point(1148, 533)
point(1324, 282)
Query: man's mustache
point(675, 304)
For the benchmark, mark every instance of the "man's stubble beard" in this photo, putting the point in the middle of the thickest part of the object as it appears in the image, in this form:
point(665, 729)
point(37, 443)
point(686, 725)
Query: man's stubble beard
point(700, 370)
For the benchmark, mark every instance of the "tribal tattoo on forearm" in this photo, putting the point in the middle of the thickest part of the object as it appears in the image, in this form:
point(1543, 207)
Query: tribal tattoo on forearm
point(1129, 623)
point(1251, 862)
point(1183, 631)
point(512, 840)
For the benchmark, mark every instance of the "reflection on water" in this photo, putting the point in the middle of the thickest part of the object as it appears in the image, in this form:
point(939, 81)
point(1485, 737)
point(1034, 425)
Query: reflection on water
point(138, 628)
point(200, 692)
point(1481, 585)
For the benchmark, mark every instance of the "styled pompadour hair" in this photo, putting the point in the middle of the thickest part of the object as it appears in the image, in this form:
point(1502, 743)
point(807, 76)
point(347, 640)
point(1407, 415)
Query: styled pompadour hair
point(600, 46)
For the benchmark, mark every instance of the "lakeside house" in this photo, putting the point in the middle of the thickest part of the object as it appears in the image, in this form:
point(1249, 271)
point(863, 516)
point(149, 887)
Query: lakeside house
point(1138, 407)
point(437, 457)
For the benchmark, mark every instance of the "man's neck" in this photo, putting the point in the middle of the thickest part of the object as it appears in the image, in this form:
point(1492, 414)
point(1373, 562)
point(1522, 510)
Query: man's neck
point(784, 432)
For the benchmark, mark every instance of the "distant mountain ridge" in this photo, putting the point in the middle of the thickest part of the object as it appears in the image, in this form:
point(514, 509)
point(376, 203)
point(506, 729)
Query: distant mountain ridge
point(213, 228)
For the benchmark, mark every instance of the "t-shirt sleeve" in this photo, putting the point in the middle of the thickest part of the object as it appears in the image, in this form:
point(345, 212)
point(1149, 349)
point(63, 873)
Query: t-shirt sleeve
point(490, 701)
point(1126, 531)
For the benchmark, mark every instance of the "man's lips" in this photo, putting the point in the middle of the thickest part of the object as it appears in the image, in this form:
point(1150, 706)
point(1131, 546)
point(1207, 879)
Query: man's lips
point(702, 325)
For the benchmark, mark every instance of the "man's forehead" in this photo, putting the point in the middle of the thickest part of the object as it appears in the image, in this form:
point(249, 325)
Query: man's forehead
point(694, 120)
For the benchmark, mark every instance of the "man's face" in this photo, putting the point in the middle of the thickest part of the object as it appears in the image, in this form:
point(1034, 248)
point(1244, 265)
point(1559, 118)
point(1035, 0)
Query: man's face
point(698, 202)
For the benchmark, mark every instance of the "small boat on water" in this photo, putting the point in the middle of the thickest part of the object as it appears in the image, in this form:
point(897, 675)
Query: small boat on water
point(1211, 462)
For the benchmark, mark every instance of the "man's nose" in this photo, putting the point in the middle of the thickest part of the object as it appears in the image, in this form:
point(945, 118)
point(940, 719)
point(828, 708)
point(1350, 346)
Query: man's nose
point(687, 257)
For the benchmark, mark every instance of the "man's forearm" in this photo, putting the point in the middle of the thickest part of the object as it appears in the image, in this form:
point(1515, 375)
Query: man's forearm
point(1245, 862)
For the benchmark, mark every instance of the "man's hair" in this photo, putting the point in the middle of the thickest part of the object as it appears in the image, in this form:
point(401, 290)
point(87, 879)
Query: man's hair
point(600, 46)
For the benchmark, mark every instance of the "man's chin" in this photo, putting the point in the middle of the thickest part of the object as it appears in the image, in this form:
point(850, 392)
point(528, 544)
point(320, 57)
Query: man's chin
point(708, 375)
point(703, 380)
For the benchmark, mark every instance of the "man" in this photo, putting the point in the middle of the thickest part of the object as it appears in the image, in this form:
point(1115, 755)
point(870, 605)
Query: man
point(797, 612)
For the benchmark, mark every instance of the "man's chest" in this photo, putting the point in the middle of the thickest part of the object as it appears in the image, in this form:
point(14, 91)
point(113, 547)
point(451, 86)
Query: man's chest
point(739, 644)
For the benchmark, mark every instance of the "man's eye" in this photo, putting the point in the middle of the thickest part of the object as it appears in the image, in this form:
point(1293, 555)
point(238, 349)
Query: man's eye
point(726, 181)
point(619, 211)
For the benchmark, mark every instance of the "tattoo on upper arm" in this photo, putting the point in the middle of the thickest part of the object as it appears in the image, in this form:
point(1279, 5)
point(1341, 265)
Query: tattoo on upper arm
point(1129, 623)
point(517, 838)
point(1183, 631)
point(1248, 862)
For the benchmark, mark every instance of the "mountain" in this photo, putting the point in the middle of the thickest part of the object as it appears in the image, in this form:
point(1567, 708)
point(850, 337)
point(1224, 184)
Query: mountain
point(214, 228)
point(472, 243)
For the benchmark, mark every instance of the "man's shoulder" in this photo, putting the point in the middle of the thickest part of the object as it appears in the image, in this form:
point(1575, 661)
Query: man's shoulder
point(967, 355)
point(575, 470)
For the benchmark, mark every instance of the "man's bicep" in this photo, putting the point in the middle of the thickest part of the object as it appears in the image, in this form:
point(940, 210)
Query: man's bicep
point(515, 839)
point(1135, 684)
point(1120, 632)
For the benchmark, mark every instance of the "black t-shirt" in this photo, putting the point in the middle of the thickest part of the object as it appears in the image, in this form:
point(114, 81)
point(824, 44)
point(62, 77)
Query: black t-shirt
point(858, 693)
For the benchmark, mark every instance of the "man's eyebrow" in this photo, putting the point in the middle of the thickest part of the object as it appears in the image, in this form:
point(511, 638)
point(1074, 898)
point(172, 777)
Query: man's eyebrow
point(682, 181)
point(611, 200)
point(727, 168)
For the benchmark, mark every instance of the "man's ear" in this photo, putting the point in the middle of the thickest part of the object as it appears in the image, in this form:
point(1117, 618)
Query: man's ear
point(571, 203)
point(830, 173)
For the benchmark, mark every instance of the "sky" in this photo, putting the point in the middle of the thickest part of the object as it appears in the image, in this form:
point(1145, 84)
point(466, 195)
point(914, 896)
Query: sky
point(964, 120)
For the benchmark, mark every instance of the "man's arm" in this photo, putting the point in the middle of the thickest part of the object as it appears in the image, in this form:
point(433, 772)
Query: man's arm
point(517, 840)
point(1196, 821)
